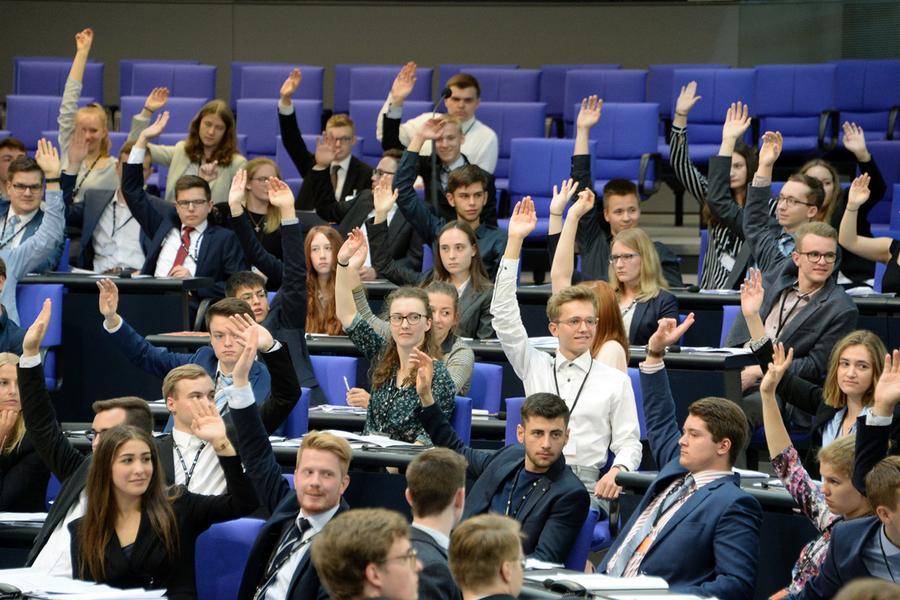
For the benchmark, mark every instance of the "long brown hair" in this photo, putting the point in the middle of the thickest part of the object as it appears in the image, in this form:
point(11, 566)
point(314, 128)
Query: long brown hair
point(831, 393)
point(389, 361)
point(478, 275)
point(273, 214)
point(750, 158)
point(99, 523)
point(609, 318)
point(13, 440)
point(324, 319)
point(227, 147)
point(827, 209)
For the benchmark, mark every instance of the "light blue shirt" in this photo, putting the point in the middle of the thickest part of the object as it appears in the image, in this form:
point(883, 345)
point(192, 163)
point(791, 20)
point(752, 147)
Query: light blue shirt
point(832, 429)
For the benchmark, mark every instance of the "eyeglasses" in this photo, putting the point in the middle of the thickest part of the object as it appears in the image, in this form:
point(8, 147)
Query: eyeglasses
point(194, 203)
point(33, 188)
point(790, 201)
point(816, 256)
point(411, 318)
point(379, 172)
point(575, 322)
point(410, 557)
point(93, 433)
point(260, 179)
point(626, 257)
point(346, 139)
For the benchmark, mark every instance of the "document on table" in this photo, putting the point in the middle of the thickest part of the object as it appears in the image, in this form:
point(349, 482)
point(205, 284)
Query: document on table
point(38, 584)
point(22, 517)
point(597, 583)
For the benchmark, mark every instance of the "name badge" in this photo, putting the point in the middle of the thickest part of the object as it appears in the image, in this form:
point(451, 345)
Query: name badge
point(727, 262)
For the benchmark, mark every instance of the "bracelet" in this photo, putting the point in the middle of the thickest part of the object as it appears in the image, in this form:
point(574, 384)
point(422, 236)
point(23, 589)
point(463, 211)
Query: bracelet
point(148, 109)
point(340, 264)
point(52, 180)
point(653, 354)
point(553, 214)
point(678, 114)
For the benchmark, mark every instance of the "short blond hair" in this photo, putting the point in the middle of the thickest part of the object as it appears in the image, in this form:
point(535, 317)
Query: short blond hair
point(478, 547)
point(883, 483)
point(188, 371)
point(327, 442)
point(340, 120)
point(573, 293)
point(814, 228)
point(840, 454)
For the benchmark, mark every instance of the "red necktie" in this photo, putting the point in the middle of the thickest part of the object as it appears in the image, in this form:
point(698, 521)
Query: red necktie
point(183, 249)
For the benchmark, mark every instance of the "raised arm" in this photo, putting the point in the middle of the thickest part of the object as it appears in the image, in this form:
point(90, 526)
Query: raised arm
point(268, 264)
point(293, 286)
point(69, 104)
point(384, 263)
point(352, 251)
point(759, 230)
point(719, 197)
point(291, 137)
point(855, 142)
point(777, 436)
point(401, 88)
point(877, 249)
point(873, 439)
point(34, 252)
point(588, 116)
point(679, 157)
point(752, 293)
point(425, 222)
point(133, 178)
point(563, 265)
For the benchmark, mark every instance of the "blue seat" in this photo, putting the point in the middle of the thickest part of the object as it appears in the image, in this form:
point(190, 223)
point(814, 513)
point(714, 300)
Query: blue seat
point(221, 555)
point(887, 156)
point(507, 85)
point(181, 112)
point(578, 555)
point(53, 486)
point(867, 92)
point(365, 116)
point(258, 120)
point(730, 312)
point(183, 80)
point(297, 423)
point(602, 538)
point(374, 83)
point(635, 375)
point(461, 420)
point(264, 81)
point(660, 88)
point(64, 266)
point(48, 78)
point(553, 84)
point(330, 372)
point(511, 120)
point(487, 381)
point(627, 144)
point(28, 116)
point(513, 418)
point(126, 70)
point(718, 88)
point(30, 300)
point(289, 477)
point(427, 257)
point(624, 85)
point(446, 71)
point(798, 101)
point(341, 103)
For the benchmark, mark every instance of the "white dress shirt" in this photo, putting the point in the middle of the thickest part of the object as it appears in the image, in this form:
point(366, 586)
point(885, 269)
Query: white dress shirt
point(19, 229)
point(117, 238)
point(606, 415)
point(207, 476)
point(55, 558)
point(169, 251)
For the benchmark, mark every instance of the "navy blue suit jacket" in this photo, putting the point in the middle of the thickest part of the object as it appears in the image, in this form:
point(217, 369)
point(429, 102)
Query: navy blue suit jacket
point(647, 315)
point(551, 517)
point(280, 500)
point(435, 580)
point(30, 230)
point(11, 335)
point(710, 546)
point(220, 254)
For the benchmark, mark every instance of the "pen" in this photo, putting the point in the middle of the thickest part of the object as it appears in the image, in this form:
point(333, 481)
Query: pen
point(346, 383)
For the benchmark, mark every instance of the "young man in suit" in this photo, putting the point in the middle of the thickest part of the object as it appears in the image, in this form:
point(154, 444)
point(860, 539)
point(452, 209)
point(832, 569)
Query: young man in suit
point(436, 492)
point(694, 527)
point(183, 242)
point(486, 558)
point(367, 554)
point(111, 239)
point(467, 193)
point(481, 145)
point(528, 481)
point(621, 210)
point(10, 149)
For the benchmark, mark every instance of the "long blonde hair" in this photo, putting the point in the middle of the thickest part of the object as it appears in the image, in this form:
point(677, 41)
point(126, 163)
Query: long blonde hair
point(831, 393)
point(11, 443)
point(652, 280)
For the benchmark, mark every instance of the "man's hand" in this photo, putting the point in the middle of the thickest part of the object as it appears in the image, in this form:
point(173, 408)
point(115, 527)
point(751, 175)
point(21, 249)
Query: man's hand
point(606, 487)
point(431, 129)
point(155, 100)
point(887, 390)
point(78, 150)
point(83, 40)
point(561, 196)
point(367, 274)
point(589, 114)
point(207, 423)
point(737, 121)
point(855, 142)
point(237, 192)
point(583, 205)
point(750, 376)
point(358, 397)
point(47, 159)
point(109, 302)
point(290, 86)
point(523, 219)
point(153, 130)
point(240, 376)
point(752, 293)
point(180, 272)
point(248, 331)
point(324, 150)
point(667, 333)
point(31, 345)
point(771, 149)
point(859, 192)
point(687, 98)
point(383, 198)
point(777, 368)
point(424, 374)
point(209, 171)
point(403, 84)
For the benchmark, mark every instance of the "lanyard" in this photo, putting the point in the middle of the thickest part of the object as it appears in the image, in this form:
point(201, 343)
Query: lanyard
point(16, 232)
point(189, 473)
point(187, 250)
point(782, 319)
point(115, 229)
point(86, 175)
point(512, 490)
point(580, 389)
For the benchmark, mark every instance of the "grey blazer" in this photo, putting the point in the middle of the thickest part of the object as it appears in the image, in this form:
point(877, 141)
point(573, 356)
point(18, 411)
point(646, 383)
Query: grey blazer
point(435, 581)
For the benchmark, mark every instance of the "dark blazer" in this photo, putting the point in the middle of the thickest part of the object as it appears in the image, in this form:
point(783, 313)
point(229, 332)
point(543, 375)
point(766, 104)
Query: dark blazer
point(23, 479)
point(280, 500)
point(287, 313)
point(270, 240)
point(11, 335)
point(30, 229)
point(435, 581)
point(85, 215)
point(872, 444)
point(220, 253)
point(647, 315)
point(475, 319)
point(551, 517)
point(491, 240)
point(390, 140)
point(817, 327)
point(150, 565)
point(844, 561)
point(359, 174)
point(710, 546)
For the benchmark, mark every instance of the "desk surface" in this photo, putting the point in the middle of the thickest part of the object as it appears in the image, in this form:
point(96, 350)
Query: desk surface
point(82, 282)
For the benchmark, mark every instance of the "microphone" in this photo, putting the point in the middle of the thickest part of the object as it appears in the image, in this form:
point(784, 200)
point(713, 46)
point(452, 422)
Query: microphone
point(445, 93)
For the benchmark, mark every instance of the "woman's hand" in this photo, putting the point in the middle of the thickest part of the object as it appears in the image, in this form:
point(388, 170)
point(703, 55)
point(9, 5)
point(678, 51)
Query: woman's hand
point(752, 293)
point(236, 193)
point(424, 366)
point(777, 368)
point(561, 196)
point(358, 397)
point(859, 192)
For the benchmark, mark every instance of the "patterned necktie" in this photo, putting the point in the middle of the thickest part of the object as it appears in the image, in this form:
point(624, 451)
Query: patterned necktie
point(183, 249)
point(221, 398)
point(291, 541)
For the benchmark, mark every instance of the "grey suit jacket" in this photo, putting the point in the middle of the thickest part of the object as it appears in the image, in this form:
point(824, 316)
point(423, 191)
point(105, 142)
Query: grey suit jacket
point(475, 313)
point(435, 581)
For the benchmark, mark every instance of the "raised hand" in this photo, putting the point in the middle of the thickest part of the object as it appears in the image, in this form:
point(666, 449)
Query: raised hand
point(237, 192)
point(383, 197)
point(246, 329)
point(290, 86)
point(777, 368)
point(78, 148)
point(240, 376)
point(209, 171)
point(752, 293)
point(561, 196)
point(424, 366)
point(207, 423)
point(584, 203)
point(109, 301)
point(589, 114)
point(47, 158)
point(771, 148)
point(403, 83)
point(887, 390)
point(355, 240)
point(83, 40)
point(324, 150)
point(859, 192)
point(156, 99)
point(31, 345)
point(668, 332)
point(523, 219)
point(855, 141)
point(156, 128)
point(737, 121)
point(432, 129)
point(280, 194)
point(687, 98)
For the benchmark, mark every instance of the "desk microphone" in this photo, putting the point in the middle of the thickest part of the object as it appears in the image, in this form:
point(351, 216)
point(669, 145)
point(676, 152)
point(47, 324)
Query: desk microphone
point(445, 93)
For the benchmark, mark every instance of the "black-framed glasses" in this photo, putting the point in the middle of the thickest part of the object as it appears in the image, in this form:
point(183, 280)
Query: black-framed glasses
point(411, 318)
point(790, 201)
point(93, 433)
point(626, 257)
point(816, 256)
point(378, 172)
point(194, 203)
point(410, 557)
point(33, 188)
point(575, 322)
point(344, 139)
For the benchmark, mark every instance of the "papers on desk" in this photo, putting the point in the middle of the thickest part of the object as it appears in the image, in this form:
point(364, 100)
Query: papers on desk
point(358, 441)
point(748, 474)
point(720, 292)
point(627, 596)
point(338, 409)
point(596, 582)
point(867, 292)
point(37, 584)
point(23, 518)
point(713, 349)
